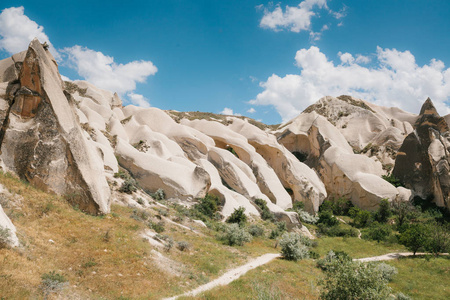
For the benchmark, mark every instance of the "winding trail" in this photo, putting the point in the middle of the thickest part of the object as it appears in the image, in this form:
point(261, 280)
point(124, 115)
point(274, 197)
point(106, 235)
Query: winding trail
point(231, 275)
point(234, 274)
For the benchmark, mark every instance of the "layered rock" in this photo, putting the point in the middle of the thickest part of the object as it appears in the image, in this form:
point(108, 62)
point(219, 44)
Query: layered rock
point(42, 141)
point(422, 162)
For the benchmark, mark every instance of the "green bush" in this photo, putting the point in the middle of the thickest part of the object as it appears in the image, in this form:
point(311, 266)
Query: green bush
point(388, 272)
point(306, 217)
point(281, 227)
point(330, 259)
point(265, 212)
point(158, 227)
point(159, 194)
point(235, 235)
point(338, 230)
point(208, 206)
point(384, 211)
point(52, 282)
point(183, 246)
point(292, 247)
point(362, 219)
point(326, 217)
point(255, 230)
point(392, 180)
point(378, 232)
point(345, 279)
point(238, 216)
point(415, 237)
point(129, 186)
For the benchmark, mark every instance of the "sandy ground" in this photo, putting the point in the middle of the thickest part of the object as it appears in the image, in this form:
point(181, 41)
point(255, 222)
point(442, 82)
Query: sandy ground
point(391, 256)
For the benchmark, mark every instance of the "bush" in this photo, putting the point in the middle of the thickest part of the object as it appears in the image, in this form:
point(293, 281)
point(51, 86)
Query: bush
point(337, 230)
point(52, 282)
point(345, 279)
point(208, 206)
point(5, 237)
point(183, 246)
point(401, 296)
point(255, 230)
point(379, 232)
point(384, 211)
point(306, 217)
point(387, 271)
point(235, 235)
point(159, 194)
point(326, 217)
point(331, 257)
point(265, 212)
point(415, 237)
point(341, 206)
point(281, 227)
point(238, 216)
point(392, 180)
point(129, 186)
point(292, 247)
point(438, 238)
point(362, 218)
point(158, 227)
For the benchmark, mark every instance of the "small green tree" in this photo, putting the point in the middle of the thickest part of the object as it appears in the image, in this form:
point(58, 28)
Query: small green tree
point(438, 238)
point(384, 211)
point(326, 217)
point(379, 232)
point(362, 218)
point(415, 237)
point(208, 205)
point(238, 216)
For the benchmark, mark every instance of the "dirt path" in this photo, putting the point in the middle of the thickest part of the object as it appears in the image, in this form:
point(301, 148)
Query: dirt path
point(231, 275)
point(391, 256)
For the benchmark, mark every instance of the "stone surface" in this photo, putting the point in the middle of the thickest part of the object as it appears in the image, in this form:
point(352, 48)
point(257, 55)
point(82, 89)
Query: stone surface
point(422, 162)
point(42, 140)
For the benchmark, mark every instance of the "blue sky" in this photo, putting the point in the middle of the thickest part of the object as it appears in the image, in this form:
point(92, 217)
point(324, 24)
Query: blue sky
point(266, 60)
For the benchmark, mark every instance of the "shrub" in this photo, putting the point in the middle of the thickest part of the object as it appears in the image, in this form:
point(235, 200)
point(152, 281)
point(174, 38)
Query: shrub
point(128, 186)
point(235, 235)
point(158, 227)
point(183, 246)
point(326, 217)
point(379, 232)
point(345, 279)
point(392, 180)
point(362, 218)
point(401, 296)
point(306, 217)
point(384, 211)
point(387, 271)
point(281, 227)
point(341, 206)
point(52, 282)
point(255, 230)
point(337, 230)
point(238, 216)
point(208, 205)
point(159, 194)
point(292, 247)
point(5, 237)
point(298, 206)
point(265, 212)
point(331, 257)
point(438, 238)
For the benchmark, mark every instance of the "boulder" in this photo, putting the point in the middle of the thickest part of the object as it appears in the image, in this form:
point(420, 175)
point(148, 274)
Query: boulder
point(8, 228)
point(41, 139)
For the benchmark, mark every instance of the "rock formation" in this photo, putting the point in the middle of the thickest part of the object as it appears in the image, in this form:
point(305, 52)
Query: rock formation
point(41, 139)
point(422, 162)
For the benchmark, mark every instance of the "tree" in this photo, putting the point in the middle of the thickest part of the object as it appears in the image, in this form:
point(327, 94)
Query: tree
point(415, 237)
point(349, 280)
point(401, 210)
point(438, 239)
point(383, 212)
point(379, 232)
point(363, 218)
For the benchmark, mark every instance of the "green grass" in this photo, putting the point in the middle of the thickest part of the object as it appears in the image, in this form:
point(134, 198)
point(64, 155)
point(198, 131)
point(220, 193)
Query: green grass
point(279, 279)
point(422, 279)
point(356, 248)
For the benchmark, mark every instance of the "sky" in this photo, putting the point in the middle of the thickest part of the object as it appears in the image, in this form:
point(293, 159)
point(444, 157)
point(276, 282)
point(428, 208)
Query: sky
point(265, 60)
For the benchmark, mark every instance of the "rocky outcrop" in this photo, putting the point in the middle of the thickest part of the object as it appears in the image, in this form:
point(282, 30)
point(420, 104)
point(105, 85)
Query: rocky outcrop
point(8, 235)
point(422, 162)
point(322, 147)
point(41, 139)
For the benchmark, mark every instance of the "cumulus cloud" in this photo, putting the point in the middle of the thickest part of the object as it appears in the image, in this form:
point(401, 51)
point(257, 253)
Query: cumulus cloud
point(251, 110)
point(297, 18)
point(138, 100)
point(17, 31)
point(395, 79)
point(229, 111)
point(102, 71)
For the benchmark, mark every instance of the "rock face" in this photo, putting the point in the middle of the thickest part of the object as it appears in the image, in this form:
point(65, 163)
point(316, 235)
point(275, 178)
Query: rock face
point(321, 146)
point(7, 226)
point(422, 162)
point(41, 139)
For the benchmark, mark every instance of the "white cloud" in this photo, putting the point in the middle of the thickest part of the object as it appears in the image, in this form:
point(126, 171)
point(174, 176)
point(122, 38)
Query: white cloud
point(17, 31)
point(298, 18)
point(102, 71)
point(394, 80)
point(229, 111)
point(138, 100)
point(251, 110)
